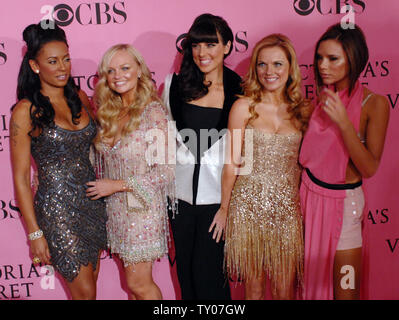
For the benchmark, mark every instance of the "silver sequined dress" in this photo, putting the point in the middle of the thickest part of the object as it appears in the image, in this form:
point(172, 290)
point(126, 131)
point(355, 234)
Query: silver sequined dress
point(73, 225)
point(264, 224)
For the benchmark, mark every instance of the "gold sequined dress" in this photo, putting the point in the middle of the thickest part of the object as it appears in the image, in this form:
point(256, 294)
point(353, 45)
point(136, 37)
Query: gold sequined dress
point(264, 224)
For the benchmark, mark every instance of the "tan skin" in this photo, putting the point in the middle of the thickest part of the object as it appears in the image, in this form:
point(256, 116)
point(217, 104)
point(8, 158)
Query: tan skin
point(209, 58)
point(53, 66)
point(123, 75)
point(273, 70)
point(364, 158)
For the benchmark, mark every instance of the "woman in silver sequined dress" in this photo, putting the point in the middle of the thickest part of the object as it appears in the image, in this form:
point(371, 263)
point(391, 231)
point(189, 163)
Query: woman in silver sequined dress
point(52, 123)
point(264, 226)
point(132, 146)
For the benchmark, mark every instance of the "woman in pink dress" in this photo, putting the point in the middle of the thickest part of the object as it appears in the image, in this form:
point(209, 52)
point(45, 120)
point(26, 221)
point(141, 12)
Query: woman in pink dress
point(344, 143)
point(136, 178)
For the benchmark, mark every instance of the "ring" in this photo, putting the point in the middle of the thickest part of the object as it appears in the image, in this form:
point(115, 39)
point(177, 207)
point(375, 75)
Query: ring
point(326, 103)
point(36, 260)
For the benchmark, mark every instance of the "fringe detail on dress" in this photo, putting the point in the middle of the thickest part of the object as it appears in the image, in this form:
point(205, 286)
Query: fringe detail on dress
point(264, 224)
point(138, 226)
point(251, 250)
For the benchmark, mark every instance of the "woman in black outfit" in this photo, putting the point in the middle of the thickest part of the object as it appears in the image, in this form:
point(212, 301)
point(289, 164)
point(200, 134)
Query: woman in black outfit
point(200, 98)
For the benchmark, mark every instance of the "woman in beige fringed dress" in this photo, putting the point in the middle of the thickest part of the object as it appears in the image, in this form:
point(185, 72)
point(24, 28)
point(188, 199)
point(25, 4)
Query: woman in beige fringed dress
point(264, 226)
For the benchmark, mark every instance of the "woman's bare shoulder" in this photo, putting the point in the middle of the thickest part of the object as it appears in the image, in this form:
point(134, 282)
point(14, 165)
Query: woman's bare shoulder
point(376, 104)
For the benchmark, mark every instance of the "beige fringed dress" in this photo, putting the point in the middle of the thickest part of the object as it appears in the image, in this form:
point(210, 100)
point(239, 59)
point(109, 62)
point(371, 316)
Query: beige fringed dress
point(264, 224)
point(137, 225)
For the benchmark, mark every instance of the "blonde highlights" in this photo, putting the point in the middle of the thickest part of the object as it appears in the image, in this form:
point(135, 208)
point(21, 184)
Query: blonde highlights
point(298, 108)
point(109, 102)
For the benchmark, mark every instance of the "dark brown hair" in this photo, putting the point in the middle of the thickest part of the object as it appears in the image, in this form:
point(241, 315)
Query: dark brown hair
point(354, 45)
point(205, 28)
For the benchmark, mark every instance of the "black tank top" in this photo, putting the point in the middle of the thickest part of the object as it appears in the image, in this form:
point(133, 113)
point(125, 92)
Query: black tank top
point(203, 122)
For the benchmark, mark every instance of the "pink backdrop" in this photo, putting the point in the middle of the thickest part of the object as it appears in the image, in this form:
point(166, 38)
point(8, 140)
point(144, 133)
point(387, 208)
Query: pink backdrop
point(153, 27)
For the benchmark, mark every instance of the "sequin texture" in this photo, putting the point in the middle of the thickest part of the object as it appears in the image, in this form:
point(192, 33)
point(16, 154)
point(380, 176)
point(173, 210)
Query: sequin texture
point(137, 220)
point(73, 225)
point(264, 224)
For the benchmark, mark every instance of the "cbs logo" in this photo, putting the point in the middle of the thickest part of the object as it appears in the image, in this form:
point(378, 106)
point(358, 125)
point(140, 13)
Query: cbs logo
point(324, 7)
point(97, 13)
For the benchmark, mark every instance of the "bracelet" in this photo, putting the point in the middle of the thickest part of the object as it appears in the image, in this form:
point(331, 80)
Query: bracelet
point(132, 184)
point(35, 235)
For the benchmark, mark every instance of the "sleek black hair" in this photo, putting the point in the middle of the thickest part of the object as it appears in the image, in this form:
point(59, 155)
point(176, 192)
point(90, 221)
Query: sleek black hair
point(353, 43)
point(29, 85)
point(205, 28)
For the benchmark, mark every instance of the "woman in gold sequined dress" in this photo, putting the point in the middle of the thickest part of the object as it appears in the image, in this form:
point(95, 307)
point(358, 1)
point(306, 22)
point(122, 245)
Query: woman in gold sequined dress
point(264, 226)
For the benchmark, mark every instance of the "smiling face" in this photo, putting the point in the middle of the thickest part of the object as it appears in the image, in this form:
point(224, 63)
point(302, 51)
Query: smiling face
point(52, 64)
point(273, 69)
point(332, 64)
point(210, 56)
point(123, 73)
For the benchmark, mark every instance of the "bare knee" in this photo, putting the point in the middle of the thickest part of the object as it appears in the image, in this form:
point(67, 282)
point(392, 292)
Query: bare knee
point(283, 289)
point(283, 293)
point(254, 290)
point(83, 287)
point(84, 291)
point(138, 287)
point(140, 283)
point(347, 273)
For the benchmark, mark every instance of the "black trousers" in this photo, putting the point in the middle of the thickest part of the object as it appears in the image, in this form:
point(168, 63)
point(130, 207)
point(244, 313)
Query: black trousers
point(199, 259)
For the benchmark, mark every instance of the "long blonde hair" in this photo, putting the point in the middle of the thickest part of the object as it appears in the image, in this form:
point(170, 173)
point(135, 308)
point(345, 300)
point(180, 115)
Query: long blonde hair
point(109, 102)
point(298, 107)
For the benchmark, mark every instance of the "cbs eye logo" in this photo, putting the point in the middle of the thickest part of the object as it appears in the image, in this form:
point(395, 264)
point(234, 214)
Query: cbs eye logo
point(304, 7)
point(85, 14)
point(63, 14)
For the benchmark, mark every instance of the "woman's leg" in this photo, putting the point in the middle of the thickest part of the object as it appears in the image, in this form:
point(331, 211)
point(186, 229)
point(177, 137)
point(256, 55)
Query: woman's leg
point(347, 274)
point(283, 288)
point(255, 288)
point(348, 257)
point(140, 282)
point(83, 287)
